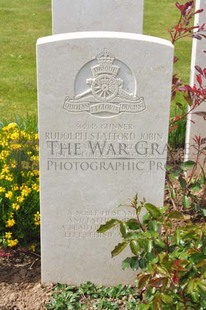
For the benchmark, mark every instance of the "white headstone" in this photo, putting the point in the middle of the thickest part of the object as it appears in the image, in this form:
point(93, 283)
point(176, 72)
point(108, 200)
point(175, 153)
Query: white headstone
point(196, 124)
point(104, 101)
point(97, 15)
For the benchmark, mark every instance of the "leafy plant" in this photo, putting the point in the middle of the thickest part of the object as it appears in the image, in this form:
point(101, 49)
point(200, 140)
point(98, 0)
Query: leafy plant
point(89, 296)
point(19, 186)
point(170, 252)
point(187, 186)
point(189, 97)
point(177, 134)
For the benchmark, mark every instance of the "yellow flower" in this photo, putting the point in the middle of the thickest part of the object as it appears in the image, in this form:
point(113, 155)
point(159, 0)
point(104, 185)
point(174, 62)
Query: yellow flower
point(15, 206)
point(36, 172)
point(4, 154)
point(9, 178)
point(10, 126)
point(23, 134)
point(2, 189)
point(14, 136)
point(32, 248)
point(15, 187)
point(28, 136)
point(4, 143)
point(5, 169)
point(9, 195)
point(12, 243)
point(8, 235)
point(10, 222)
point(15, 146)
point(13, 163)
point(35, 158)
point(25, 191)
point(37, 218)
point(35, 187)
point(20, 199)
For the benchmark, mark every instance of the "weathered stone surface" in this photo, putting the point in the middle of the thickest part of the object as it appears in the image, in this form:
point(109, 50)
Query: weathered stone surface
point(104, 101)
point(97, 15)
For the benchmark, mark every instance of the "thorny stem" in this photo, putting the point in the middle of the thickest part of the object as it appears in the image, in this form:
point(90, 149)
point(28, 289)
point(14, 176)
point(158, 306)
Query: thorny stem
point(185, 114)
point(195, 166)
point(140, 224)
point(184, 299)
point(175, 35)
point(171, 187)
point(183, 36)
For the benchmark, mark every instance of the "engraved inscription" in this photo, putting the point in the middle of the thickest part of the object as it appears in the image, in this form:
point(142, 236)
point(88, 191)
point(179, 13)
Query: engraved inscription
point(105, 147)
point(84, 224)
point(106, 94)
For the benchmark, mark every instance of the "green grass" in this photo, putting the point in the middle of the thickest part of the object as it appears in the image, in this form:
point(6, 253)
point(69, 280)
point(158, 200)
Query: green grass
point(23, 22)
point(159, 16)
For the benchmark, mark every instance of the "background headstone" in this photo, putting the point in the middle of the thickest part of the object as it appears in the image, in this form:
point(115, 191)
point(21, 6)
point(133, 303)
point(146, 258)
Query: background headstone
point(196, 124)
point(104, 101)
point(97, 15)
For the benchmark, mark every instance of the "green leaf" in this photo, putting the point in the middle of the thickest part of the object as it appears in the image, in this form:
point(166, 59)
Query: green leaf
point(143, 243)
point(197, 257)
point(202, 285)
point(177, 235)
point(153, 211)
point(132, 224)
point(160, 243)
point(157, 302)
point(167, 299)
point(134, 263)
point(192, 285)
point(149, 246)
point(175, 215)
point(142, 263)
point(188, 165)
point(119, 248)
point(196, 187)
point(203, 211)
point(183, 183)
point(153, 225)
point(186, 201)
point(108, 225)
point(146, 218)
point(138, 210)
point(123, 229)
point(173, 193)
point(130, 262)
point(202, 263)
point(161, 270)
point(134, 246)
point(174, 174)
point(132, 235)
point(126, 263)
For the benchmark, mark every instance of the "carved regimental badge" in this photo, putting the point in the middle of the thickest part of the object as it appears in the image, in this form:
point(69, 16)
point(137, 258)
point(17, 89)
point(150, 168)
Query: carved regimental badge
point(110, 89)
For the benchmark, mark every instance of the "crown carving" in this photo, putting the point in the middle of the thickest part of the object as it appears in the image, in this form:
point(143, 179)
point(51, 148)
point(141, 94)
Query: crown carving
point(105, 64)
point(105, 57)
